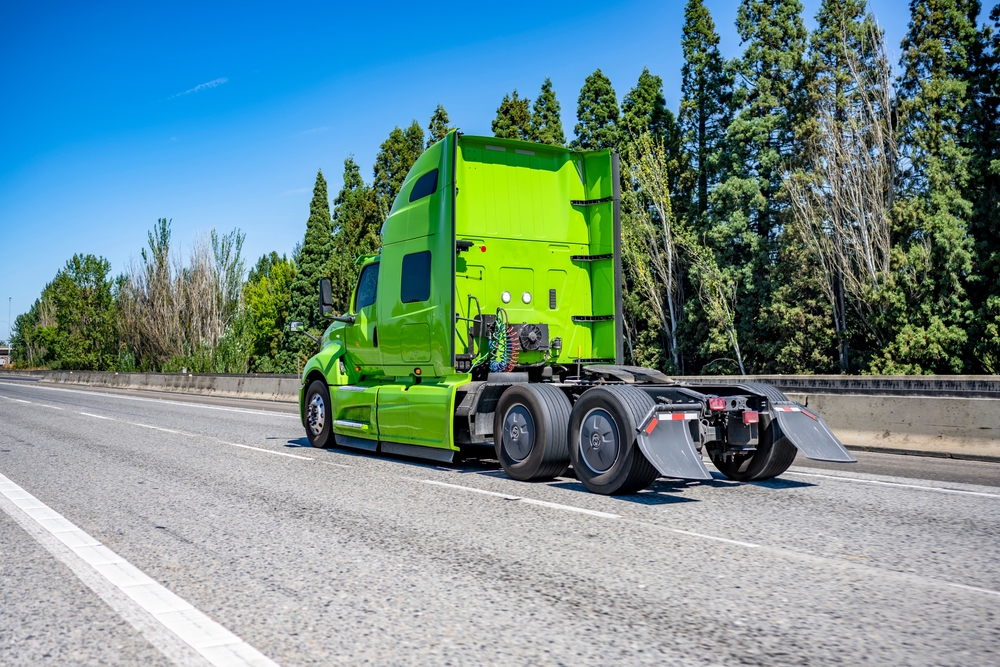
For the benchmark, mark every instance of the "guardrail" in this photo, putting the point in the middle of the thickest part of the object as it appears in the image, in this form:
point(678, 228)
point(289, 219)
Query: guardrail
point(952, 416)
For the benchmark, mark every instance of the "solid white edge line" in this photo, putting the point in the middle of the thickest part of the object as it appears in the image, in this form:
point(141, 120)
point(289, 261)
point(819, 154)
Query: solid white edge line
point(898, 484)
point(182, 633)
point(153, 400)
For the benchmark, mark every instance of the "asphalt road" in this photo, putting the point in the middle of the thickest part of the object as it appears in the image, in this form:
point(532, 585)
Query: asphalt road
point(331, 557)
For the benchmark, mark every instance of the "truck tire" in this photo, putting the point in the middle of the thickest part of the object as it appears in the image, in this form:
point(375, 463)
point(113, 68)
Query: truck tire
point(319, 419)
point(529, 431)
point(602, 440)
point(772, 458)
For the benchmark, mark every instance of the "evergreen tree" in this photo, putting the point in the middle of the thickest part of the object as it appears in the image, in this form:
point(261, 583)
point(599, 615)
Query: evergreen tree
point(644, 109)
point(438, 127)
point(357, 223)
point(596, 114)
point(546, 122)
point(933, 250)
point(513, 119)
point(395, 157)
point(268, 296)
point(984, 193)
point(760, 145)
point(311, 262)
point(706, 91)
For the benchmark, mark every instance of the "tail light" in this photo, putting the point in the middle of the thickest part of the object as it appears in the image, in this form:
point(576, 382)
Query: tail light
point(750, 417)
point(716, 403)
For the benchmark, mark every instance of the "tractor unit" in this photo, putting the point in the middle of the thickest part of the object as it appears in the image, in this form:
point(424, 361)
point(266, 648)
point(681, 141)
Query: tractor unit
point(490, 325)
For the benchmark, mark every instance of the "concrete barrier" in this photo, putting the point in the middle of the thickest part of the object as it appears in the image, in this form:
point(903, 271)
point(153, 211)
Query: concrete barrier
point(954, 416)
point(282, 388)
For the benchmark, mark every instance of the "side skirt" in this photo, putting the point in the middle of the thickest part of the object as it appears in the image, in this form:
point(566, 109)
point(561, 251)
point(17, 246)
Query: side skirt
point(417, 452)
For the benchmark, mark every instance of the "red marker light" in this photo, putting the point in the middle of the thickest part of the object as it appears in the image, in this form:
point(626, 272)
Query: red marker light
point(716, 404)
point(750, 417)
point(482, 248)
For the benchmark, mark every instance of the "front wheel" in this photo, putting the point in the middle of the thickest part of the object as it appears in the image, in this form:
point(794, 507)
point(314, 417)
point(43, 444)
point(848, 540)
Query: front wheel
point(319, 422)
point(602, 440)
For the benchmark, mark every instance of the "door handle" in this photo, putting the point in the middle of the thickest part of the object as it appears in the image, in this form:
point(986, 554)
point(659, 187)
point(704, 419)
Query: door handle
point(374, 336)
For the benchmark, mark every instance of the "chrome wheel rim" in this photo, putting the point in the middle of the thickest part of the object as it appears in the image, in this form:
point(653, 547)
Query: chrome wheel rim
point(316, 414)
point(599, 443)
point(518, 433)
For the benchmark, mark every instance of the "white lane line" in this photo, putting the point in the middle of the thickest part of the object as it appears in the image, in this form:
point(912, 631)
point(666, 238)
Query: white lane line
point(156, 400)
point(339, 465)
point(529, 501)
point(41, 405)
point(259, 449)
point(717, 539)
point(96, 416)
point(898, 484)
point(974, 588)
point(108, 574)
point(198, 435)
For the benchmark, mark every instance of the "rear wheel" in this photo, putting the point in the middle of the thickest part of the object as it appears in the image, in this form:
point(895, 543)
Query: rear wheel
point(771, 458)
point(602, 440)
point(529, 431)
point(319, 422)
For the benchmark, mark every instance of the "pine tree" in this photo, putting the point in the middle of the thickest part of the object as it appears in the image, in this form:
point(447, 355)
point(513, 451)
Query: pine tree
point(395, 157)
point(596, 114)
point(438, 127)
point(933, 248)
point(546, 123)
point(513, 119)
point(760, 145)
point(706, 92)
point(644, 109)
point(311, 262)
point(356, 223)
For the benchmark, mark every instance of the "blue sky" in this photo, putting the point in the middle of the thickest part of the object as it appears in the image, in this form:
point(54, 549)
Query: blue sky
point(218, 116)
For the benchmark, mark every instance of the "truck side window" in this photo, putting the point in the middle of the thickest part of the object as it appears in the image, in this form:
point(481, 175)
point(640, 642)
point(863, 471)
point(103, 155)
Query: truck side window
point(416, 285)
point(367, 287)
point(425, 185)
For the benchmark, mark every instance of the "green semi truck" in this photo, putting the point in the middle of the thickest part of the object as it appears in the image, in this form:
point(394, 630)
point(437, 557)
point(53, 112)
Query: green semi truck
point(490, 324)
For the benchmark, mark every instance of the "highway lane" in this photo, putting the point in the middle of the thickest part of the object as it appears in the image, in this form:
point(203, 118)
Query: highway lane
point(332, 557)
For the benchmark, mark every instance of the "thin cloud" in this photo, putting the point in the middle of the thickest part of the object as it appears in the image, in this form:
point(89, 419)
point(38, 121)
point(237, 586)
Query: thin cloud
point(214, 83)
point(315, 130)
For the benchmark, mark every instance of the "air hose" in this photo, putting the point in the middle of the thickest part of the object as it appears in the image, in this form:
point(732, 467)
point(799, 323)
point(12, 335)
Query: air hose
point(504, 345)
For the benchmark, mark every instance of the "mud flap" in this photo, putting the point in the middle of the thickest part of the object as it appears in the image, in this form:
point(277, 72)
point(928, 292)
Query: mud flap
point(809, 433)
point(665, 439)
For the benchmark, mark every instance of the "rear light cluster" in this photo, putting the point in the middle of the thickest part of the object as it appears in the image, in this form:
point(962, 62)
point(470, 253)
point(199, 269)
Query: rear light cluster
point(717, 404)
point(750, 417)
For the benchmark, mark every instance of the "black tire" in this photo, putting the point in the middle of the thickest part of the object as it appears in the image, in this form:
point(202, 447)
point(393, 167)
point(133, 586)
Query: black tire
point(609, 461)
point(772, 458)
point(319, 417)
point(529, 431)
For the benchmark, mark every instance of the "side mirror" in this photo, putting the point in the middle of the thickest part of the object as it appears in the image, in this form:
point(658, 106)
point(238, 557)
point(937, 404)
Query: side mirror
point(325, 298)
point(296, 326)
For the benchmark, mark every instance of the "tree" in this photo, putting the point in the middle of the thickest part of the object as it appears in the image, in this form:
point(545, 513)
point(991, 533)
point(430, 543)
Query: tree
point(706, 92)
point(933, 250)
point(596, 114)
point(546, 122)
point(395, 157)
point(311, 263)
point(357, 223)
point(748, 207)
point(438, 127)
point(513, 120)
point(644, 109)
point(268, 296)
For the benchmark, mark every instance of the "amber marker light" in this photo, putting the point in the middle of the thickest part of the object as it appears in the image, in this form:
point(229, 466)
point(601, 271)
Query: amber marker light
point(416, 371)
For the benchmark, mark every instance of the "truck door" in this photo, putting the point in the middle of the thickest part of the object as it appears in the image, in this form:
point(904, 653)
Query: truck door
point(362, 336)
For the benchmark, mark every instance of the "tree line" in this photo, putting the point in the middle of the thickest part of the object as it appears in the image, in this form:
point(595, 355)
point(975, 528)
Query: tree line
point(804, 210)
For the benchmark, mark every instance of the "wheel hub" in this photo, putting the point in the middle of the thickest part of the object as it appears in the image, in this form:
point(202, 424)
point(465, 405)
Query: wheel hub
point(316, 414)
point(599, 441)
point(518, 433)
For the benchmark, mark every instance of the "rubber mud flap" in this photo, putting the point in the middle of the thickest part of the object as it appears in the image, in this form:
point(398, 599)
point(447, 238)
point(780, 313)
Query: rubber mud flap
point(669, 447)
point(810, 434)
